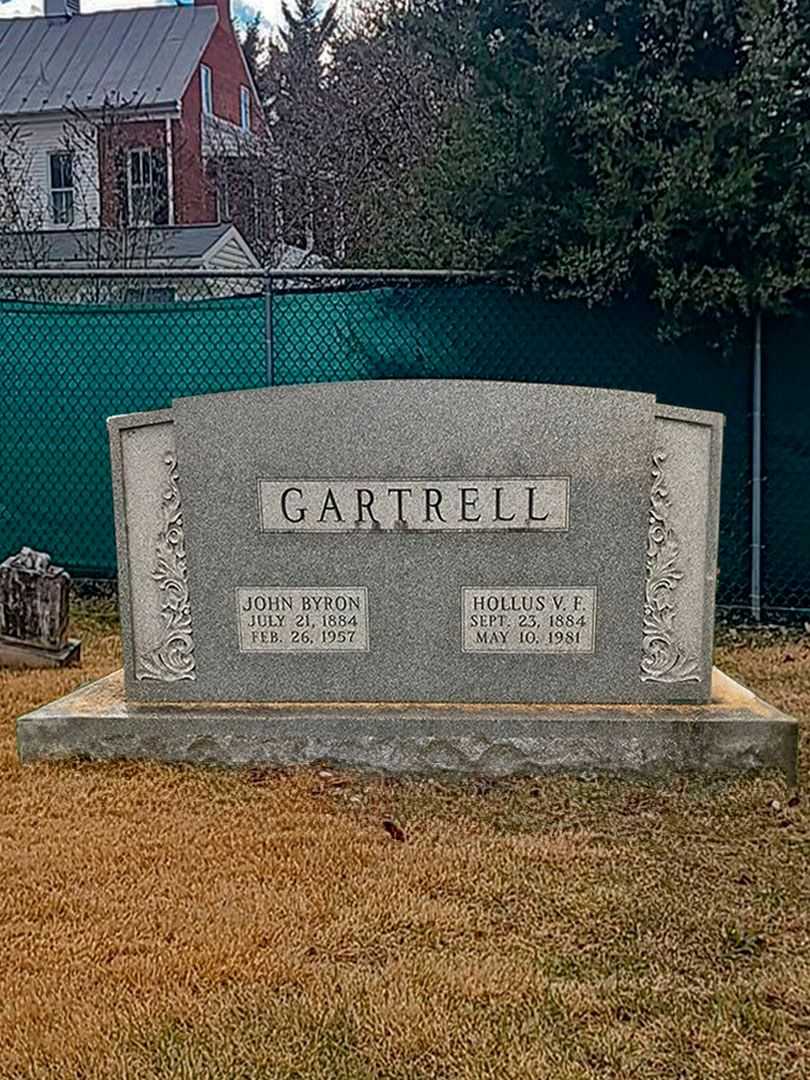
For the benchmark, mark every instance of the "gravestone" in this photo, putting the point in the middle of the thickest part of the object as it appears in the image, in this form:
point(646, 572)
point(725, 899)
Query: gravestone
point(419, 575)
point(34, 612)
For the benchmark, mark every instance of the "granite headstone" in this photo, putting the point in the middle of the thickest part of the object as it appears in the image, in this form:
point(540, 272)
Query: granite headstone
point(413, 541)
point(34, 612)
point(463, 545)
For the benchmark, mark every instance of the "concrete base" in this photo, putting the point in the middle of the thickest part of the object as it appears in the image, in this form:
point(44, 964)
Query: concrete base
point(23, 654)
point(737, 732)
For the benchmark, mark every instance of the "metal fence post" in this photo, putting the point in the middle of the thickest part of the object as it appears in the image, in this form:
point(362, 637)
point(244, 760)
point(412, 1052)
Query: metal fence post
point(756, 474)
point(270, 374)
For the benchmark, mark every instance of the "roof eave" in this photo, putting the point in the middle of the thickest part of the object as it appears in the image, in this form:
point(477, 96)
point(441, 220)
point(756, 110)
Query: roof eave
point(167, 263)
point(156, 111)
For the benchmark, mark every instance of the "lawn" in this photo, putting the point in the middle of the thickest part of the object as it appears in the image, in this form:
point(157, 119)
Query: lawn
point(167, 922)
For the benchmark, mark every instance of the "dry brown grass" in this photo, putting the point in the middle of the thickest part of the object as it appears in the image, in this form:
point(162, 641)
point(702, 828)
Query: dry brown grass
point(163, 922)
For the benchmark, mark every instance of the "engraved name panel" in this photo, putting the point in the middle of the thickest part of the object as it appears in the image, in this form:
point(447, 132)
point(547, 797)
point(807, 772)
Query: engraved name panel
point(533, 619)
point(461, 504)
point(291, 620)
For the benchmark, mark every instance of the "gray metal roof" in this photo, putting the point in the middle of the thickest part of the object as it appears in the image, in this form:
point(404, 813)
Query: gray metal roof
point(61, 247)
point(145, 56)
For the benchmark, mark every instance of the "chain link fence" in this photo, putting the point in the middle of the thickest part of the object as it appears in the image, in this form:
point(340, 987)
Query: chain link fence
point(75, 349)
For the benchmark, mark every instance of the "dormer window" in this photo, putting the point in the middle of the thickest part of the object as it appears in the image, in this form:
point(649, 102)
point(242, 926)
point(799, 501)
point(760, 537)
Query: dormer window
point(206, 90)
point(244, 108)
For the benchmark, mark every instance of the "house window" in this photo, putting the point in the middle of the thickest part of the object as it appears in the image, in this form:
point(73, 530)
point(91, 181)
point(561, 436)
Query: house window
point(244, 108)
point(61, 177)
point(206, 90)
point(148, 197)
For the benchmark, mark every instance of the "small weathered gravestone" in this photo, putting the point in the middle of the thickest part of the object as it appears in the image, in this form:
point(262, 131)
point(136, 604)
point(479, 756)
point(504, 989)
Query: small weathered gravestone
point(34, 612)
point(422, 576)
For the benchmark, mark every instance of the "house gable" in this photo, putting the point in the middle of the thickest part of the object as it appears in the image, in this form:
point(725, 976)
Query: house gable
point(197, 135)
point(230, 252)
point(225, 59)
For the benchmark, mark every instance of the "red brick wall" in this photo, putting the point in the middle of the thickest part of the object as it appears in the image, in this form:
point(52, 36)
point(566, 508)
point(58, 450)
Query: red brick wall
point(194, 199)
point(224, 57)
point(194, 202)
point(115, 140)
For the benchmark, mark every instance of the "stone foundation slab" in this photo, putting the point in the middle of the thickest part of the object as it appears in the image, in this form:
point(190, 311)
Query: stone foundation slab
point(736, 732)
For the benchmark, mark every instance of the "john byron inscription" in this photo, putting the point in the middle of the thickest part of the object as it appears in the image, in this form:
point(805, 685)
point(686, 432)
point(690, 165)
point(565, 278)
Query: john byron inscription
point(302, 620)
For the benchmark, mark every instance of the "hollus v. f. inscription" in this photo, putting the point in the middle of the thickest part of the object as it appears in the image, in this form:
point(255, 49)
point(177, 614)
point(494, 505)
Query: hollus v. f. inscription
point(541, 619)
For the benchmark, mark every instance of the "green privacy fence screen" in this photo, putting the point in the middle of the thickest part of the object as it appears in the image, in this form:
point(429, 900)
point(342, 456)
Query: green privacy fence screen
point(64, 370)
point(70, 357)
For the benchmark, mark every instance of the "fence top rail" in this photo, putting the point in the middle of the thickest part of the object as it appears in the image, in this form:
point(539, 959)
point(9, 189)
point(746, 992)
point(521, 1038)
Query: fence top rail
point(268, 275)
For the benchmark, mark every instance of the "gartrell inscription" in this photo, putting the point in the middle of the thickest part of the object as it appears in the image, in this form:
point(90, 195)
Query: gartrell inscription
point(294, 620)
point(341, 505)
point(529, 619)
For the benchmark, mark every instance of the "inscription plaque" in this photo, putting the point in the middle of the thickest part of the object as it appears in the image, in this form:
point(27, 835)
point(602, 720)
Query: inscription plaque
point(291, 620)
point(532, 619)
point(462, 504)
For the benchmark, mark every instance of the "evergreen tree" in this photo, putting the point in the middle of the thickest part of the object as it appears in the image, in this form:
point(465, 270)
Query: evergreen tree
point(307, 30)
point(302, 124)
point(304, 36)
point(654, 146)
point(254, 46)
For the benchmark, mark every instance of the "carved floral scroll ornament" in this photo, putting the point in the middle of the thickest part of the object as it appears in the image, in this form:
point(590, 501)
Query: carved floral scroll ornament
point(172, 658)
point(664, 659)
